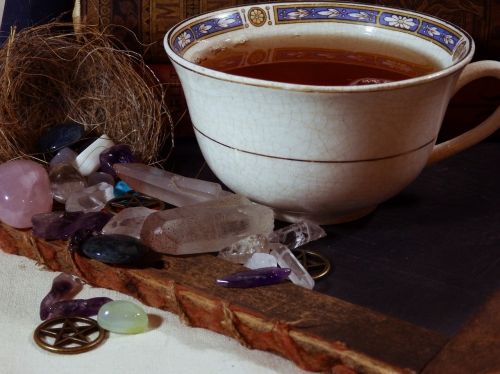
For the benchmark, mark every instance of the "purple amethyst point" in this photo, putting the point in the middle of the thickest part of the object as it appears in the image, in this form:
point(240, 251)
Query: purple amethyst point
point(77, 307)
point(64, 286)
point(254, 278)
point(117, 154)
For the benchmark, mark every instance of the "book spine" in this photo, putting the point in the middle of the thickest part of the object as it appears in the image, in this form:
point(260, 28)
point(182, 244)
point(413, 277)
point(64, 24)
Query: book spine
point(142, 24)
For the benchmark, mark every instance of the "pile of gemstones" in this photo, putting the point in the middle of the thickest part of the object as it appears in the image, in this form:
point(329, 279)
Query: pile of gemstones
point(71, 199)
point(121, 316)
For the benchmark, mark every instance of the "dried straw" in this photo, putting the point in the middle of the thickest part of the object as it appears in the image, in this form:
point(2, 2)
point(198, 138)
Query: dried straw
point(50, 74)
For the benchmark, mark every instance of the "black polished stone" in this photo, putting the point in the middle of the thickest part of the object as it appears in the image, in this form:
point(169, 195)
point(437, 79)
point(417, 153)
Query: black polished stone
point(114, 249)
point(60, 136)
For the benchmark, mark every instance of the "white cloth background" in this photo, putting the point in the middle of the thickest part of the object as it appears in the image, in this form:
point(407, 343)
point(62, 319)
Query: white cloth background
point(168, 348)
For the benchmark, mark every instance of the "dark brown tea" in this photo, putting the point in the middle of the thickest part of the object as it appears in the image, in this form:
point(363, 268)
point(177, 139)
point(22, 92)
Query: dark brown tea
point(317, 65)
point(319, 73)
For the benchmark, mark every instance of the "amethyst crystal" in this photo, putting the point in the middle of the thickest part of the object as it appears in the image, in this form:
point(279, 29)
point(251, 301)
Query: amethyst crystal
point(62, 225)
point(80, 236)
point(117, 154)
point(254, 278)
point(64, 286)
point(77, 307)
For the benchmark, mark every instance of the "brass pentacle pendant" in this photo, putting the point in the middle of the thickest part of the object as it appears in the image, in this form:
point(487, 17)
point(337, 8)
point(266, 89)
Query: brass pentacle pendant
point(316, 264)
point(69, 335)
point(132, 200)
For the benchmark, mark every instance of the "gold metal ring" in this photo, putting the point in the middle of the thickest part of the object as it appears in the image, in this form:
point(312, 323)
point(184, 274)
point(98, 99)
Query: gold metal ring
point(134, 199)
point(316, 264)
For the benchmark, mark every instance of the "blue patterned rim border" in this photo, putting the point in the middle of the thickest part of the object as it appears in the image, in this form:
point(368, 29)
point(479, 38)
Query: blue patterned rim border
point(413, 23)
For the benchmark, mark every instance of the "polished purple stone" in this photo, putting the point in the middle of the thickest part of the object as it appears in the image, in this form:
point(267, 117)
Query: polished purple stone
point(77, 307)
point(64, 286)
point(254, 278)
point(62, 225)
point(80, 236)
point(117, 154)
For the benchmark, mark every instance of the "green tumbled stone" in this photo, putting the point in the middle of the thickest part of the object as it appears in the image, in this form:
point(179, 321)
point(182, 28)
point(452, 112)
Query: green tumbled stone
point(122, 317)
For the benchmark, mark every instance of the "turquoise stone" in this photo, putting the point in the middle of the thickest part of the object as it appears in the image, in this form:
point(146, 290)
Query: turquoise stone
point(60, 136)
point(122, 317)
point(121, 188)
point(114, 249)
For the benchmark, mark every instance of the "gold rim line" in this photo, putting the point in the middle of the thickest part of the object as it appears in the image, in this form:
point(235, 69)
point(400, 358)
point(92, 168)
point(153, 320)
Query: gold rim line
point(317, 161)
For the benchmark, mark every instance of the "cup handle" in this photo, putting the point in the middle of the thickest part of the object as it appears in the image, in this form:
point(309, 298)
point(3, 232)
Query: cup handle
point(450, 147)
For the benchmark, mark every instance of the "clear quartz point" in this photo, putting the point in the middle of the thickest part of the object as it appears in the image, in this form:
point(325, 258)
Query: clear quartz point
point(166, 186)
point(90, 199)
point(261, 260)
point(128, 222)
point(64, 180)
point(206, 227)
point(297, 234)
point(286, 259)
point(242, 250)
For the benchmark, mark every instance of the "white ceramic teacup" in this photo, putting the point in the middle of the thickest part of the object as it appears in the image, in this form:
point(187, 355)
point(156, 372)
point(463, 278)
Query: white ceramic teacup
point(326, 153)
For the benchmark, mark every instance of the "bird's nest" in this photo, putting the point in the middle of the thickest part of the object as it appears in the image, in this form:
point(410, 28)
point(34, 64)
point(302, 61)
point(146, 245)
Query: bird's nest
point(51, 74)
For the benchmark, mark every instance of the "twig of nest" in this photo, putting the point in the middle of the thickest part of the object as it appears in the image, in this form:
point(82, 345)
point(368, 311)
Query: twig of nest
point(51, 74)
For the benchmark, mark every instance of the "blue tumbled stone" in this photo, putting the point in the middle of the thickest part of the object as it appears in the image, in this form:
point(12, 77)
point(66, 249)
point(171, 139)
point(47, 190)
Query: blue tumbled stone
point(121, 188)
point(60, 136)
point(114, 249)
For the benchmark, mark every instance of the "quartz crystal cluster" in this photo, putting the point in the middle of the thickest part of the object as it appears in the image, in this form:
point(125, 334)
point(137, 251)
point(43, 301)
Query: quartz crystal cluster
point(258, 251)
point(86, 180)
point(206, 227)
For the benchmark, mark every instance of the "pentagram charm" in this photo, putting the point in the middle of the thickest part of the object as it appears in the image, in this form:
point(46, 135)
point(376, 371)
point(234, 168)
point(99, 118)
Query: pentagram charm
point(317, 265)
point(132, 200)
point(69, 335)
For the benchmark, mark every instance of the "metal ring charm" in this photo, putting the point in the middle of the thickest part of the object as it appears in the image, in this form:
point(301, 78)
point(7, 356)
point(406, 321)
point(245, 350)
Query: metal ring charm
point(69, 335)
point(131, 200)
point(316, 264)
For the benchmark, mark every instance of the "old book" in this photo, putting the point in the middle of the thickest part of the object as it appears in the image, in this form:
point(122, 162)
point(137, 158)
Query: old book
point(316, 331)
point(149, 20)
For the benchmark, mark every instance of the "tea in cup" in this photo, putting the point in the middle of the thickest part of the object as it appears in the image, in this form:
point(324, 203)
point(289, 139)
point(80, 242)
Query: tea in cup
point(323, 110)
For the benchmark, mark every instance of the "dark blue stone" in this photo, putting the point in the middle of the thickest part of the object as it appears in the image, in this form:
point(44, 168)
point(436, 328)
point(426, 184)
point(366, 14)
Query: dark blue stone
point(60, 136)
point(114, 249)
point(117, 154)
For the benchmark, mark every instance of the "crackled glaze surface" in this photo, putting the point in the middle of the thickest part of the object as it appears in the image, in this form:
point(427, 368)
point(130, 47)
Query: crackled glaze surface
point(326, 153)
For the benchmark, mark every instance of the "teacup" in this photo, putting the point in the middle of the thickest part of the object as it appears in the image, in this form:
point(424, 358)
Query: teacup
point(329, 154)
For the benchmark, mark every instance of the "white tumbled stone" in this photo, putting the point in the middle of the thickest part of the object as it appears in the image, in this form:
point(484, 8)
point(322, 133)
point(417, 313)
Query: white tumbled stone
point(88, 160)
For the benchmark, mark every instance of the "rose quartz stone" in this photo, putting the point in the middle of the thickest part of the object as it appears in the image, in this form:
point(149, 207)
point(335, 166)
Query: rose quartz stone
point(24, 192)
